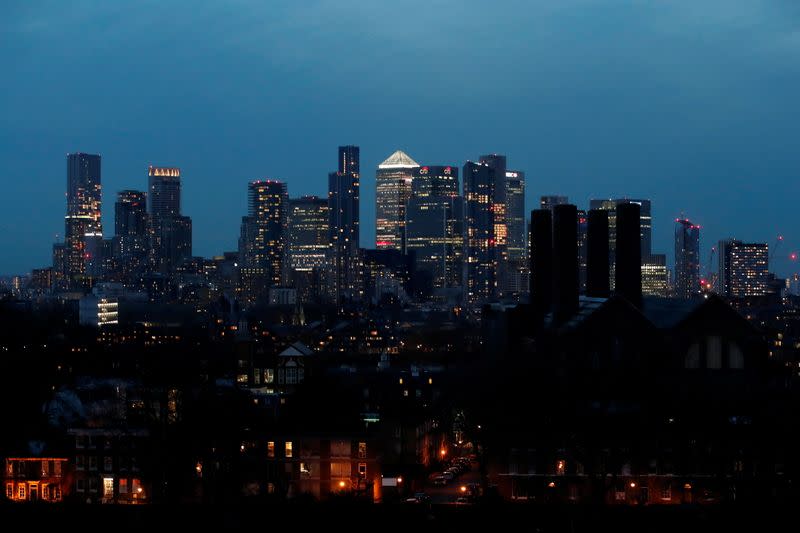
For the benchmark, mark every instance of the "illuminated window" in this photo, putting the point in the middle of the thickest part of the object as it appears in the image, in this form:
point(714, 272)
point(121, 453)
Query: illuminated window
point(21, 494)
point(340, 469)
point(10, 491)
point(271, 449)
point(288, 448)
point(123, 486)
point(57, 468)
point(45, 468)
point(108, 487)
point(561, 467)
point(362, 469)
point(666, 492)
point(305, 468)
point(362, 450)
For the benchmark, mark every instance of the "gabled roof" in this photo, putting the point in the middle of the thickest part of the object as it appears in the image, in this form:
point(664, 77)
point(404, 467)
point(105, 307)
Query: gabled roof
point(298, 349)
point(399, 159)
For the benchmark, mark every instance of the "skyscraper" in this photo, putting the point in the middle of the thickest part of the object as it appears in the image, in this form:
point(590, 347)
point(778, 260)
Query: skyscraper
point(265, 229)
point(485, 226)
point(82, 221)
point(130, 230)
point(549, 202)
point(170, 232)
point(392, 191)
point(645, 226)
point(308, 234)
point(516, 275)
point(687, 258)
point(434, 225)
point(344, 225)
point(743, 268)
point(655, 276)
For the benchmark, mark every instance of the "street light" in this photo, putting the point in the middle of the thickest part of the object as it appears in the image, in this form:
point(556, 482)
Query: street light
point(399, 479)
point(342, 484)
point(463, 488)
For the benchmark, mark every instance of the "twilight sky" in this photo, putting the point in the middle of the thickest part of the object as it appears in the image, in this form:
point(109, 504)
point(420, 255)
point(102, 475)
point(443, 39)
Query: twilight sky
point(692, 103)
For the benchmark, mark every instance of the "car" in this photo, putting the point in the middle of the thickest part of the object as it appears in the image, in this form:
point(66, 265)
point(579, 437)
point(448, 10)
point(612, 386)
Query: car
point(448, 476)
point(439, 481)
point(462, 500)
point(422, 497)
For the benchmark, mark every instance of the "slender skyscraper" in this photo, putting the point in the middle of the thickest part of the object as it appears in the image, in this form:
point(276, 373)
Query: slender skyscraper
point(516, 278)
point(344, 224)
point(392, 191)
point(170, 232)
point(687, 258)
point(82, 221)
point(485, 226)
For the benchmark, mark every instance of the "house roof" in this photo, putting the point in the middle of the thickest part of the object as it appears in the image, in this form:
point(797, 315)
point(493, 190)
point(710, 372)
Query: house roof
point(298, 349)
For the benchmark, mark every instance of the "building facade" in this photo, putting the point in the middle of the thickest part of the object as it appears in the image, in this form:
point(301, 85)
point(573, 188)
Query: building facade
point(83, 219)
point(392, 191)
point(344, 227)
point(687, 258)
point(743, 268)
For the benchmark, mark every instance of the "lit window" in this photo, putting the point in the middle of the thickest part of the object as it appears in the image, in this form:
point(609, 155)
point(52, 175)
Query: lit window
point(123, 486)
point(108, 487)
point(561, 467)
point(305, 468)
point(362, 450)
point(21, 494)
point(10, 491)
point(666, 492)
point(288, 448)
point(362, 469)
point(270, 449)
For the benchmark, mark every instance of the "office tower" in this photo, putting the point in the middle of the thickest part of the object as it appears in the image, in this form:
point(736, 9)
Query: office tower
point(59, 265)
point(130, 230)
point(541, 261)
point(83, 214)
point(655, 276)
point(597, 276)
point(645, 227)
point(392, 192)
point(628, 272)
point(583, 244)
point(308, 240)
point(386, 275)
point(170, 232)
point(485, 225)
point(434, 226)
point(549, 202)
point(343, 227)
point(743, 268)
point(687, 259)
point(516, 280)
point(265, 228)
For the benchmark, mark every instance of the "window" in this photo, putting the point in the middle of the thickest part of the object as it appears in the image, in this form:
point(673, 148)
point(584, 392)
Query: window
point(10, 491)
point(305, 468)
point(340, 469)
point(561, 467)
point(340, 448)
point(80, 441)
point(693, 356)
point(288, 449)
point(55, 492)
point(362, 450)
point(735, 356)
point(269, 375)
point(21, 494)
point(362, 469)
point(241, 379)
point(107, 463)
point(291, 376)
point(57, 468)
point(666, 492)
point(136, 488)
point(45, 468)
point(80, 462)
point(80, 485)
point(257, 376)
point(714, 352)
point(271, 449)
point(123, 486)
point(92, 462)
point(92, 484)
point(108, 487)
point(405, 393)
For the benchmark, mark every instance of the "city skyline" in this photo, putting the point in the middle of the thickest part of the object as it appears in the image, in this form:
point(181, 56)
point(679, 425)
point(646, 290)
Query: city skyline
point(651, 113)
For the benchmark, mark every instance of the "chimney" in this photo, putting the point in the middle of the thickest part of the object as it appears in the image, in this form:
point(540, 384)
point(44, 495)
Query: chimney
point(628, 275)
point(565, 261)
point(541, 282)
point(597, 275)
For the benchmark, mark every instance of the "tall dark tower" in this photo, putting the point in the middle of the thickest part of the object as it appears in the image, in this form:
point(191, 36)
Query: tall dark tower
point(565, 260)
point(170, 232)
point(687, 258)
point(349, 160)
point(597, 276)
point(541, 282)
point(344, 226)
point(130, 230)
point(82, 221)
point(628, 274)
point(264, 244)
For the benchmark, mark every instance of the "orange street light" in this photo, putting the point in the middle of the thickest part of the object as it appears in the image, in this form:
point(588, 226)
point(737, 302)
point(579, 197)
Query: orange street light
point(463, 488)
point(633, 484)
point(342, 484)
point(442, 452)
point(399, 479)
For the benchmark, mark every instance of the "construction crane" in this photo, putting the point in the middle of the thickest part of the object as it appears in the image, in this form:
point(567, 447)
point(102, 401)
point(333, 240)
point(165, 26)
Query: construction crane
point(711, 275)
point(774, 249)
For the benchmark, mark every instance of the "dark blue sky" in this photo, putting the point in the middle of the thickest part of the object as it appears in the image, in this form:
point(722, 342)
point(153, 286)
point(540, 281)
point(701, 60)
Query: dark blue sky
point(693, 104)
